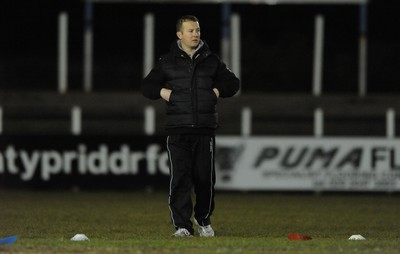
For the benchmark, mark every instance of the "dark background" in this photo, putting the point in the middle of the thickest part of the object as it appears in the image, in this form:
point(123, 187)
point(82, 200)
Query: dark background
point(277, 44)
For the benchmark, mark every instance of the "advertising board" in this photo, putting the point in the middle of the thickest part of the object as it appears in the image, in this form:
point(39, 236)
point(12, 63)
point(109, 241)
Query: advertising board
point(242, 163)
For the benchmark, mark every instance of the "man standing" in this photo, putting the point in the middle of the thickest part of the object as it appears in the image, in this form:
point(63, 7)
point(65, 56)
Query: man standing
point(190, 78)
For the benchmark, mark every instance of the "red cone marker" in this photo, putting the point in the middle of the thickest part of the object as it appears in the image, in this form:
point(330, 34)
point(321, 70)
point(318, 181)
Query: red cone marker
point(299, 237)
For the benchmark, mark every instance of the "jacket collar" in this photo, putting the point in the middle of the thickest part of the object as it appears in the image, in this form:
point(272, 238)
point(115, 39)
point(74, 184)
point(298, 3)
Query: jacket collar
point(177, 49)
point(194, 52)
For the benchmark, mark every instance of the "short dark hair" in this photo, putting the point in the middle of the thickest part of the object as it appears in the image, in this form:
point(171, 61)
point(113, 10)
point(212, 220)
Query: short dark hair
point(184, 19)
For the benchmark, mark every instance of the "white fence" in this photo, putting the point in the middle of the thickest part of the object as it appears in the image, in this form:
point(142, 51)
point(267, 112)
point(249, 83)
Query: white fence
point(230, 47)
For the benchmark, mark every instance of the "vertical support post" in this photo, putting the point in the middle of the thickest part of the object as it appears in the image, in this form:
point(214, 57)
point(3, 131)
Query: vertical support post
point(1, 120)
point(148, 63)
point(149, 120)
point(88, 48)
point(76, 120)
point(390, 123)
point(362, 60)
point(318, 55)
point(236, 45)
point(62, 52)
point(318, 123)
point(226, 34)
point(246, 121)
point(148, 43)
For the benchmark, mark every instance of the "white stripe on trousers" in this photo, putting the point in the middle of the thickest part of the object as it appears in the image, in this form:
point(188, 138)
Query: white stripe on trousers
point(211, 176)
point(170, 183)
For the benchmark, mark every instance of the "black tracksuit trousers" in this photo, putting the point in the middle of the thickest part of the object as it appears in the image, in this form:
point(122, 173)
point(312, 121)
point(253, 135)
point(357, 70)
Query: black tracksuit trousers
point(191, 159)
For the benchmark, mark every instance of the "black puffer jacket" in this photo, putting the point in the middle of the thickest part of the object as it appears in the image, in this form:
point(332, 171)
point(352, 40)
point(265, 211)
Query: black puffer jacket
point(192, 103)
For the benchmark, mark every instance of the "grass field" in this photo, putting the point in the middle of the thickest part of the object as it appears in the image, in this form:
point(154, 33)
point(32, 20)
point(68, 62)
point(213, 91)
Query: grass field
point(136, 222)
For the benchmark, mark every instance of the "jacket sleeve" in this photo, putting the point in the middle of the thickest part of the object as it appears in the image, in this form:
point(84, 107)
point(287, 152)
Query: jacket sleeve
point(153, 82)
point(226, 81)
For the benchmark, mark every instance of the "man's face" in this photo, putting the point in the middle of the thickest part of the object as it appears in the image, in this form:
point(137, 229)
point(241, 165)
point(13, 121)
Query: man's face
point(189, 34)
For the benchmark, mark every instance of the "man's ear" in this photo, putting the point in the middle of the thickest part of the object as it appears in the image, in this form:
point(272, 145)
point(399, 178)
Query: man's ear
point(179, 35)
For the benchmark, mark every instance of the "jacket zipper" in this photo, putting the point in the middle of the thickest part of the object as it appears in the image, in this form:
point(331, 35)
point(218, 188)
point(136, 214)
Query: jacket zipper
point(193, 66)
point(193, 93)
